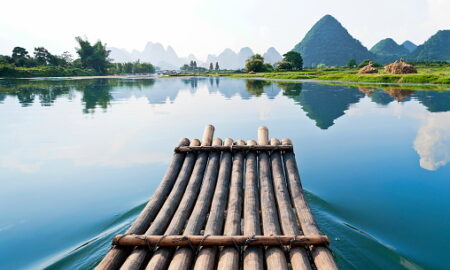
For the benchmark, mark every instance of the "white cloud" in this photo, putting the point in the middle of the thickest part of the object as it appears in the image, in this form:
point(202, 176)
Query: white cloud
point(433, 141)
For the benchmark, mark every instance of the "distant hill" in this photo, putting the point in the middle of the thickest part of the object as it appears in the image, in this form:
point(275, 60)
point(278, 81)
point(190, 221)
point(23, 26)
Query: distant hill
point(436, 48)
point(153, 53)
point(409, 46)
point(329, 43)
point(387, 50)
point(272, 56)
point(167, 58)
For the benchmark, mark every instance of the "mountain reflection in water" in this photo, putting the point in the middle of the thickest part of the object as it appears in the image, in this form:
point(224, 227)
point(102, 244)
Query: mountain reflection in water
point(321, 103)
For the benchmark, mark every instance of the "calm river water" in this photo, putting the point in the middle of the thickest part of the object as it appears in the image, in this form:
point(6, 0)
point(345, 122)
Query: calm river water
point(79, 159)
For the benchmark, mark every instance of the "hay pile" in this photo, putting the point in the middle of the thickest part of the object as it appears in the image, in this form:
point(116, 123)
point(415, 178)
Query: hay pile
point(400, 67)
point(367, 90)
point(370, 68)
point(399, 94)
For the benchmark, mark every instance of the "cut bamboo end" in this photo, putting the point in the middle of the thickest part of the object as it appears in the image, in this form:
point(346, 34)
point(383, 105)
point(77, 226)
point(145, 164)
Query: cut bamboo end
point(274, 142)
point(251, 142)
point(286, 141)
point(195, 142)
point(228, 142)
point(183, 142)
point(240, 142)
point(263, 135)
point(208, 134)
point(217, 142)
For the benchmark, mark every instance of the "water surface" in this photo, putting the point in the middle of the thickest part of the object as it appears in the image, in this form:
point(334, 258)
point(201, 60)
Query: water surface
point(79, 159)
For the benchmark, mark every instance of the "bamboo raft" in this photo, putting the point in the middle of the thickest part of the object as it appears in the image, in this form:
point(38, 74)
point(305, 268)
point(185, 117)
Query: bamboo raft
point(225, 205)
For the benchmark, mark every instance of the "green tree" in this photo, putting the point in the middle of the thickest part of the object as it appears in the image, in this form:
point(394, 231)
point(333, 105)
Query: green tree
point(284, 66)
point(351, 63)
point(67, 58)
point(93, 56)
point(211, 67)
point(43, 57)
point(217, 66)
point(5, 59)
point(366, 62)
point(21, 58)
point(255, 64)
point(185, 67)
point(295, 59)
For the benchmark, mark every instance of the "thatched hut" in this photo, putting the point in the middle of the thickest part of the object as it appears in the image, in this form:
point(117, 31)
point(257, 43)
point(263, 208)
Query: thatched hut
point(400, 67)
point(369, 68)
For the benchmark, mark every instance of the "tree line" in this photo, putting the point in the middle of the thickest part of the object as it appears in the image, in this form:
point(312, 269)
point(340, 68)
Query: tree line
point(93, 59)
point(291, 61)
point(192, 66)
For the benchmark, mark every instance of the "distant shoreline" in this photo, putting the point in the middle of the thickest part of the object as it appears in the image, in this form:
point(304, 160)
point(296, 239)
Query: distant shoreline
point(425, 81)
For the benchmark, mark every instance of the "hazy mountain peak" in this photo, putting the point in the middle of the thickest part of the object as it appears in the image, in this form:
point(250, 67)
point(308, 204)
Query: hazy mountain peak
point(329, 43)
point(228, 51)
point(272, 56)
point(388, 46)
point(329, 19)
point(409, 45)
point(246, 50)
point(170, 49)
point(387, 50)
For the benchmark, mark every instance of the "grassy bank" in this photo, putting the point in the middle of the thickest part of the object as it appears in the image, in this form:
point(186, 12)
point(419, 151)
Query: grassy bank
point(10, 71)
point(433, 75)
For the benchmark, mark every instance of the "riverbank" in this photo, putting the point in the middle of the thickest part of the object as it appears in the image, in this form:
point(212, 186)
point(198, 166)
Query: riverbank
point(429, 75)
point(10, 71)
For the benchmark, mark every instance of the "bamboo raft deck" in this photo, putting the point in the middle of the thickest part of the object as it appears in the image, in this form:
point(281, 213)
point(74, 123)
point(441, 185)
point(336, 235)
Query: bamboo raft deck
point(225, 205)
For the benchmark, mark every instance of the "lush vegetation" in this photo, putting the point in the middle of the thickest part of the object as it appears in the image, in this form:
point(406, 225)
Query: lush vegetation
point(436, 73)
point(436, 48)
point(387, 50)
point(131, 68)
point(92, 60)
point(256, 64)
point(292, 60)
point(193, 68)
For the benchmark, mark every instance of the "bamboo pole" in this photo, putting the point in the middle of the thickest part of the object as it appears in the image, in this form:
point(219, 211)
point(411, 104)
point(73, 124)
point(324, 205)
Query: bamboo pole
point(218, 240)
point(116, 255)
point(206, 257)
point(229, 256)
point(234, 148)
point(183, 256)
point(139, 254)
point(322, 256)
point(253, 256)
point(298, 255)
point(161, 257)
point(275, 256)
point(190, 193)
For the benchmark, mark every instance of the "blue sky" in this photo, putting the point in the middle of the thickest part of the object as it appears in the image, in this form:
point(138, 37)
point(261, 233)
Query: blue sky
point(208, 26)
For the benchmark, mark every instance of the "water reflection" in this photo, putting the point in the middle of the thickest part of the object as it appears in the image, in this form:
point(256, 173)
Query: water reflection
point(322, 103)
point(433, 141)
